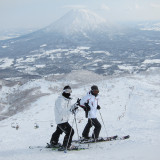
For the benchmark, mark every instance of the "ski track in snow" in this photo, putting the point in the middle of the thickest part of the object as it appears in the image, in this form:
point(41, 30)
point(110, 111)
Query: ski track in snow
point(129, 105)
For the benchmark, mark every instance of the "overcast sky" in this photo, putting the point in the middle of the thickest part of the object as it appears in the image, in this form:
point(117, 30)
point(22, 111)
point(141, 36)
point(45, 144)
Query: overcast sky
point(40, 13)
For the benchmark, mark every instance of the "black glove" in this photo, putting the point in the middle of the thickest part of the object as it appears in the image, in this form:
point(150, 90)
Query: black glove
point(98, 107)
point(87, 107)
point(78, 101)
point(74, 110)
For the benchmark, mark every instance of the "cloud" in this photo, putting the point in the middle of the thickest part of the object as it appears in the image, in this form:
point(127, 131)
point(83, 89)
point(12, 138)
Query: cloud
point(105, 7)
point(137, 6)
point(74, 6)
point(154, 5)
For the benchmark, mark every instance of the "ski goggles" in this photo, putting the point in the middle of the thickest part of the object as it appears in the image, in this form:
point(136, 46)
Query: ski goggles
point(67, 90)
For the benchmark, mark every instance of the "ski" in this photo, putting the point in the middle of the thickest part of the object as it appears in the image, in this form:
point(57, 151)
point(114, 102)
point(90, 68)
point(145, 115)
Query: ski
point(101, 139)
point(123, 137)
point(48, 146)
point(76, 148)
point(34, 147)
point(42, 148)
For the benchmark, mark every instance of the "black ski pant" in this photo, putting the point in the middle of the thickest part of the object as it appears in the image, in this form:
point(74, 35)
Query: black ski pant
point(92, 122)
point(67, 129)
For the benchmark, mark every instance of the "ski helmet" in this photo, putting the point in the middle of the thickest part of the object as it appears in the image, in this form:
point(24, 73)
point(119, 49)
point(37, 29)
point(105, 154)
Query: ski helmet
point(94, 90)
point(67, 89)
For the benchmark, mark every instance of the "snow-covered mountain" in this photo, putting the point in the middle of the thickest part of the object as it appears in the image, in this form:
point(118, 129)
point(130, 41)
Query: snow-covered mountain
point(79, 40)
point(129, 105)
point(78, 21)
point(75, 28)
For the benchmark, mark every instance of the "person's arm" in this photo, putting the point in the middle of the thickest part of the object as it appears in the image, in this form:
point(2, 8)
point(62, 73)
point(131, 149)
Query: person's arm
point(61, 109)
point(83, 101)
point(84, 104)
point(98, 106)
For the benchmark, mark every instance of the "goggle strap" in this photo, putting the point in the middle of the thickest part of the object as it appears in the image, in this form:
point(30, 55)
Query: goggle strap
point(67, 90)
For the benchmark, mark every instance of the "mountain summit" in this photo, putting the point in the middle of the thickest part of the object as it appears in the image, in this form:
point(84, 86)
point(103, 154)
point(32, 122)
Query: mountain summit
point(80, 20)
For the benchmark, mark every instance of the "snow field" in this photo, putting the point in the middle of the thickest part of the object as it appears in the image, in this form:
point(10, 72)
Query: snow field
point(129, 105)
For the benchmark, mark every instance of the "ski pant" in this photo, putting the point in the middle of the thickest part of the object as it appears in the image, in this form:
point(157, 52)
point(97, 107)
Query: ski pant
point(92, 122)
point(67, 129)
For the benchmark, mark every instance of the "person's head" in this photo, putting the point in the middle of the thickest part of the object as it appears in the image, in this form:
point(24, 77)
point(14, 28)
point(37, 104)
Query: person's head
point(67, 91)
point(94, 90)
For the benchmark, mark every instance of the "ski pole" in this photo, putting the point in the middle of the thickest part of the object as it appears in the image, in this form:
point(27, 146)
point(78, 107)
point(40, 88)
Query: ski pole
point(73, 110)
point(76, 125)
point(69, 135)
point(103, 123)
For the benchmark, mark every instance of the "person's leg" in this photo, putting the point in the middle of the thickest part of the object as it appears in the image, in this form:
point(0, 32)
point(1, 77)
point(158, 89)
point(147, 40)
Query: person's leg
point(97, 128)
point(86, 130)
point(55, 136)
point(69, 131)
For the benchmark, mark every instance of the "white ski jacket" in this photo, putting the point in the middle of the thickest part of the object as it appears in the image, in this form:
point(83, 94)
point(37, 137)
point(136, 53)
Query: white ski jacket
point(92, 102)
point(62, 109)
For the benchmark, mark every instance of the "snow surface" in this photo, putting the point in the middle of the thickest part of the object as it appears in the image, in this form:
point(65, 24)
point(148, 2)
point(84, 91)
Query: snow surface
point(150, 27)
point(129, 105)
point(147, 61)
point(105, 52)
point(6, 63)
point(4, 46)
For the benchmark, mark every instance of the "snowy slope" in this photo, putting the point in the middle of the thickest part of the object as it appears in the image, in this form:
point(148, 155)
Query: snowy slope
point(130, 105)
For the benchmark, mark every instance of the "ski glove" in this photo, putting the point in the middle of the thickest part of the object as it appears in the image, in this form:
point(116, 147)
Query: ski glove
point(87, 107)
point(78, 101)
point(98, 107)
point(74, 111)
point(74, 108)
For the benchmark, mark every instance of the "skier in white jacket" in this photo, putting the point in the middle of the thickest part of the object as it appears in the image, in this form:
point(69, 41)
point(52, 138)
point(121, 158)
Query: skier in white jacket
point(90, 104)
point(63, 109)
